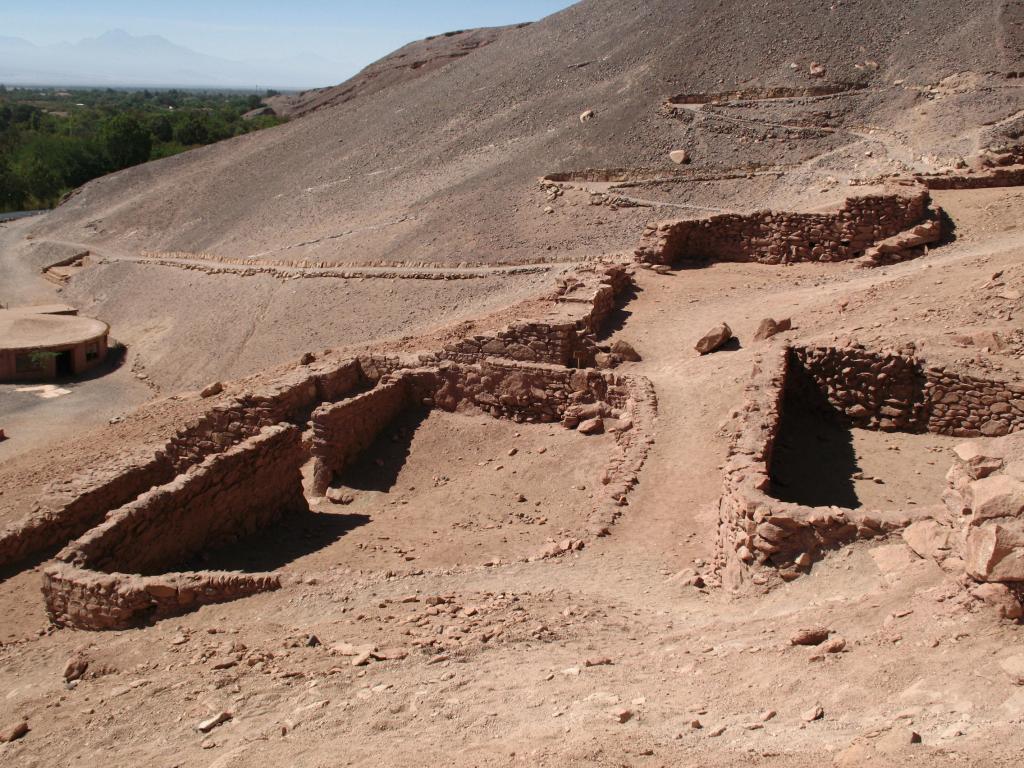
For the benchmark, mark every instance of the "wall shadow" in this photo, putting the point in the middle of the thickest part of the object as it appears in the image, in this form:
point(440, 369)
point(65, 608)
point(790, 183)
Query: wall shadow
point(377, 468)
point(289, 539)
point(813, 460)
point(619, 316)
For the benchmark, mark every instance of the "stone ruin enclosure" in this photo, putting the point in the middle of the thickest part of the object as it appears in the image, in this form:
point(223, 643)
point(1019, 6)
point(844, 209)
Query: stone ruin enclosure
point(238, 468)
point(771, 237)
point(888, 391)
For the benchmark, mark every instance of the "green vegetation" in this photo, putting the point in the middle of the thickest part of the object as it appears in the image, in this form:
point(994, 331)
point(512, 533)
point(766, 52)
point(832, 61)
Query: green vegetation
point(53, 140)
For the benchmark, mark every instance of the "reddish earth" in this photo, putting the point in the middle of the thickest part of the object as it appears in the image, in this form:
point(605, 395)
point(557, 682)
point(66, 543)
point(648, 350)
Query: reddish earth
point(482, 648)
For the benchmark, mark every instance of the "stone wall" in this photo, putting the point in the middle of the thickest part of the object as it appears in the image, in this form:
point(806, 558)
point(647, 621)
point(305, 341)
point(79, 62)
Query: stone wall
point(228, 496)
point(885, 390)
point(86, 599)
point(343, 430)
point(74, 506)
point(776, 238)
point(582, 302)
point(1011, 176)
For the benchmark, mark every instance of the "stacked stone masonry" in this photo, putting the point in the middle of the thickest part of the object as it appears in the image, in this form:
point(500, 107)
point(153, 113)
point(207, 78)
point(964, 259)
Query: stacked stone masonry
point(584, 302)
point(886, 391)
point(777, 238)
point(228, 496)
point(74, 506)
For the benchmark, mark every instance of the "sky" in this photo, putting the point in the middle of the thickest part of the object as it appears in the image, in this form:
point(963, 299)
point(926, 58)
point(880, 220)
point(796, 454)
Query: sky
point(347, 33)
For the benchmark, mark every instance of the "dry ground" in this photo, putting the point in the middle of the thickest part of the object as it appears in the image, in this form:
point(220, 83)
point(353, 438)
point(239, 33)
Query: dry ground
point(505, 680)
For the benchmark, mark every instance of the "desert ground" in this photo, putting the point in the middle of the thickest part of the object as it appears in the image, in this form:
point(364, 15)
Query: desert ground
point(449, 601)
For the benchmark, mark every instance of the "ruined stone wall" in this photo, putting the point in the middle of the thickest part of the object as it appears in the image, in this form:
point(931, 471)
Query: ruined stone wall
point(74, 506)
point(77, 505)
point(892, 391)
point(86, 599)
point(968, 406)
point(755, 528)
point(583, 302)
point(1011, 176)
point(873, 390)
point(888, 391)
point(289, 399)
point(776, 237)
point(519, 391)
point(227, 496)
point(343, 430)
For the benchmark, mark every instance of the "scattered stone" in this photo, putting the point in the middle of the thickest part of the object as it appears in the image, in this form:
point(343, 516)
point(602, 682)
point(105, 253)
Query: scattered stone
point(75, 668)
point(810, 636)
point(768, 715)
point(679, 156)
point(212, 389)
point(625, 350)
point(714, 339)
point(1000, 597)
point(695, 725)
point(835, 644)
point(210, 723)
point(594, 426)
point(717, 731)
point(816, 69)
point(307, 358)
point(812, 714)
point(339, 496)
point(588, 115)
point(769, 327)
point(897, 738)
point(622, 715)
point(14, 732)
point(600, 661)
point(362, 659)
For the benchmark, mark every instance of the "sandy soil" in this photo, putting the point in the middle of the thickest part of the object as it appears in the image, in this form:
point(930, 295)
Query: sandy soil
point(602, 657)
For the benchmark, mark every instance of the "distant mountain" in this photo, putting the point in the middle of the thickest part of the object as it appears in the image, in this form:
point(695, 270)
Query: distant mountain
point(119, 58)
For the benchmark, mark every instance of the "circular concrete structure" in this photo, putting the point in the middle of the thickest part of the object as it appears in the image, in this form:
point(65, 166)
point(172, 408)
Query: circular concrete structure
point(38, 346)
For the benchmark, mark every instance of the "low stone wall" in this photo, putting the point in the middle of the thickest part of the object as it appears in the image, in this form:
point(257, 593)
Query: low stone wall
point(229, 495)
point(895, 391)
point(886, 391)
point(1011, 176)
point(74, 506)
point(754, 528)
point(288, 399)
point(91, 600)
point(583, 302)
point(776, 238)
point(343, 430)
point(872, 390)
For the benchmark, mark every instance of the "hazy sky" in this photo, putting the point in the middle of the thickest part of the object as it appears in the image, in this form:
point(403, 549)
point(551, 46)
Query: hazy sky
point(350, 32)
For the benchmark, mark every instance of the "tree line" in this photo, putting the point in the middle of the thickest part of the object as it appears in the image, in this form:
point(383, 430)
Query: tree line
point(54, 140)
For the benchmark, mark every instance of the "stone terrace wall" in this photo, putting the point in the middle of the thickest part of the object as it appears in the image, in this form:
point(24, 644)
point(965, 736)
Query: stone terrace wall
point(776, 238)
point(1012, 176)
point(587, 301)
point(887, 391)
point(227, 496)
point(85, 599)
point(343, 430)
point(77, 505)
point(899, 392)
point(874, 391)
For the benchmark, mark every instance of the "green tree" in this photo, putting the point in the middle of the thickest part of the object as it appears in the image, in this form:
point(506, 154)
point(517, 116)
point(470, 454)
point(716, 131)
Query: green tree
point(125, 141)
point(192, 131)
point(161, 128)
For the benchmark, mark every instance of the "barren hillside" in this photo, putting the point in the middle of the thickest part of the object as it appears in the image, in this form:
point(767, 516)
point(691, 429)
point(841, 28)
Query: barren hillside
point(705, 458)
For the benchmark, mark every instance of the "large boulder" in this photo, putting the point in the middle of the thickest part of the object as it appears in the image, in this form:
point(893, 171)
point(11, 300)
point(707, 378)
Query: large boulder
point(995, 552)
point(994, 497)
point(714, 339)
point(929, 539)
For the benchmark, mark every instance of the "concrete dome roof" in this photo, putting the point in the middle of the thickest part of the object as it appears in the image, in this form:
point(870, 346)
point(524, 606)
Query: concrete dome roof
point(23, 330)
